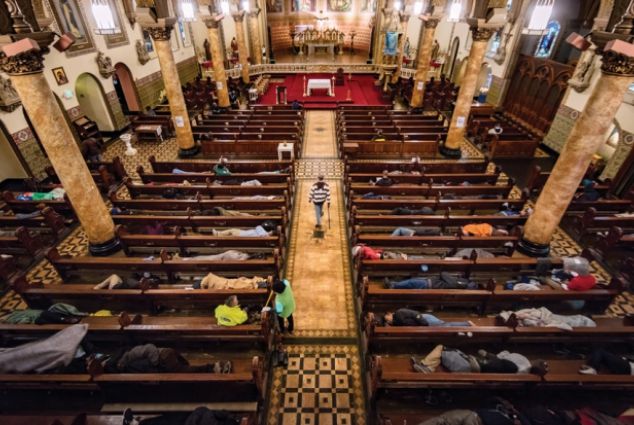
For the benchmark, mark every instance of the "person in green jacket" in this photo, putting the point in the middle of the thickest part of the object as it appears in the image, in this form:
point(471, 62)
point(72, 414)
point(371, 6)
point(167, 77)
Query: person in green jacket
point(230, 313)
point(221, 169)
point(284, 304)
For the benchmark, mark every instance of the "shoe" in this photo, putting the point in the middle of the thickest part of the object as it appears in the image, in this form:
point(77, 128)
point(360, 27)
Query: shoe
point(420, 368)
point(217, 367)
point(227, 367)
point(587, 370)
point(128, 416)
point(387, 284)
point(482, 353)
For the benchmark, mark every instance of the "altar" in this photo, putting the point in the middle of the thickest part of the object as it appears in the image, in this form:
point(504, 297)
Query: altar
point(330, 47)
point(320, 84)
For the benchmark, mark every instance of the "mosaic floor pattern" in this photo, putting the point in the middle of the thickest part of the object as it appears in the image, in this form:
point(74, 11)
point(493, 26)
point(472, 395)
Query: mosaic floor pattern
point(322, 385)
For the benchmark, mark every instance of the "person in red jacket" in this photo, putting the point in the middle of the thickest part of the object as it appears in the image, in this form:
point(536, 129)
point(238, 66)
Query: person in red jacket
point(366, 253)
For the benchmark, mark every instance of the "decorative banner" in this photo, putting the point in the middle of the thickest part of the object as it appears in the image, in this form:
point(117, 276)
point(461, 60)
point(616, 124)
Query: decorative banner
point(391, 43)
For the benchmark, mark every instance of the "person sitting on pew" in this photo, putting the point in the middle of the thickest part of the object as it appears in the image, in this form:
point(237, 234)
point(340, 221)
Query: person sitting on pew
point(378, 137)
point(542, 317)
point(266, 229)
point(221, 169)
point(590, 193)
point(91, 149)
point(444, 281)
point(496, 130)
point(149, 112)
point(230, 313)
point(384, 180)
point(420, 231)
point(482, 230)
point(409, 317)
point(457, 361)
point(200, 416)
point(213, 281)
point(602, 359)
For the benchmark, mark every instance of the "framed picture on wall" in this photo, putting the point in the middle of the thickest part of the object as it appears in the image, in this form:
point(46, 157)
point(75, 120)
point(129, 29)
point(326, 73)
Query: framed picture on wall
point(303, 5)
point(60, 76)
point(148, 43)
point(120, 39)
point(339, 5)
point(368, 6)
point(70, 18)
point(274, 6)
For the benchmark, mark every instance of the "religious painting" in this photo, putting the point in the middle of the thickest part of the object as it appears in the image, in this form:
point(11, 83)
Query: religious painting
point(368, 6)
point(120, 39)
point(60, 76)
point(183, 33)
point(339, 5)
point(275, 6)
point(547, 41)
point(304, 5)
point(70, 18)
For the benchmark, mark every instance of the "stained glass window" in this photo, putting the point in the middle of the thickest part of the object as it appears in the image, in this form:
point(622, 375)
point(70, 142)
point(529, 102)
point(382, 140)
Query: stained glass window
point(548, 39)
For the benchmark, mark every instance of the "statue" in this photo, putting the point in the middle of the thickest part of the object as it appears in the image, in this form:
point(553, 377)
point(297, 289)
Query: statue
point(142, 53)
point(391, 20)
point(105, 65)
point(207, 48)
point(435, 49)
point(580, 79)
point(234, 46)
point(406, 48)
point(9, 99)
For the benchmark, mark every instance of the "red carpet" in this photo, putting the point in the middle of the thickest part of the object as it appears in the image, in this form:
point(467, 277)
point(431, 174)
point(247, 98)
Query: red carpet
point(360, 89)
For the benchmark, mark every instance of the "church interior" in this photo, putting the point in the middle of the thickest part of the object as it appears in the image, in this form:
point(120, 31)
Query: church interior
point(317, 212)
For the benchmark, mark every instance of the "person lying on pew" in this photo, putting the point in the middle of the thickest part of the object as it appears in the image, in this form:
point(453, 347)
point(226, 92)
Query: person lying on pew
point(365, 252)
point(213, 281)
point(378, 137)
point(444, 281)
point(266, 229)
point(409, 317)
point(221, 169)
point(542, 317)
point(456, 361)
point(220, 211)
point(574, 276)
point(149, 112)
point(384, 180)
point(482, 230)
point(137, 281)
point(407, 211)
point(602, 359)
point(200, 416)
point(511, 212)
point(229, 255)
point(230, 313)
point(420, 231)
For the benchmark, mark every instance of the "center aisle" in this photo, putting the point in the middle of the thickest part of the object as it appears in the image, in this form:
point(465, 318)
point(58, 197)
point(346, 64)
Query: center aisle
point(322, 384)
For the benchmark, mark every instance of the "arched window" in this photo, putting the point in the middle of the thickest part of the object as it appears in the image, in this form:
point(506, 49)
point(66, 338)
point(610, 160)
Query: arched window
point(494, 44)
point(548, 39)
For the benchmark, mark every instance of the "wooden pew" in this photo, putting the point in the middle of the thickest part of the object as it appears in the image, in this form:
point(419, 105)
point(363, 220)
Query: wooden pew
point(444, 178)
point(368, 206)
point(616, 238)
point(460, 166)
point(476, 191)
point(62, 206)
point(196, 243)
point(48, 220)
point(204, 177)
point(591, 222)
point(23, 243)
point(163, 265)
point(93, 418)
point(370, 223)
point(147, 299)
point(197, 221)
point(537, 179)
point(236, 166)
point(246, 148)
point(361, 147)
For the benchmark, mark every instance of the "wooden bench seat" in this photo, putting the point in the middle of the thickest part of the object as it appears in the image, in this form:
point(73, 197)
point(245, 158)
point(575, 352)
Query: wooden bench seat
point(591, 222)
point(203, 177)
point(22, 243)
point(162, 264)
point(406, 166)
point(476, 191)
point(444, 178)
point(454, 242)
point(368, 206)
point(247, 148)
point(236, 166)
point(371, 223)
point(61, 206)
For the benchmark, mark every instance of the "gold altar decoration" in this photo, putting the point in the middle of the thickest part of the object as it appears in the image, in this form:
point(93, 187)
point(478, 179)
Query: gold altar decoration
point(316, 38)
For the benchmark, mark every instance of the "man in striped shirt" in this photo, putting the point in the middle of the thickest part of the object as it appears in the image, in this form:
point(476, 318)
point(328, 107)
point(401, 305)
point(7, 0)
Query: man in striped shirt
point(319, 194)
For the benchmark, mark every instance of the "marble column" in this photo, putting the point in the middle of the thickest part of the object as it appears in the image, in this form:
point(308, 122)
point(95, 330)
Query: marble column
point(254, 33)
point(587, 136)
point(401, 47)
point(460, 117)
point(238, 18)
point(184, 137)
point(217, 57)
point(423, 60)
point(26, 73)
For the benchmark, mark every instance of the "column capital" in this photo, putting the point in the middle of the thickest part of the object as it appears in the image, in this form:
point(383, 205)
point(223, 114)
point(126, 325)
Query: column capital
point(31, 62)
point(429, 22)
point(482, 34)
point(213, 21)
point(238, 16)
point(617, 64)
point(159, 33)
point(253, 13)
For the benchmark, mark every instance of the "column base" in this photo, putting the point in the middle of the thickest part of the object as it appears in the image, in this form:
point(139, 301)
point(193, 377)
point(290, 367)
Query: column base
point(450, 153)
point(533, 249)
point(188, 153)
point(104, 249)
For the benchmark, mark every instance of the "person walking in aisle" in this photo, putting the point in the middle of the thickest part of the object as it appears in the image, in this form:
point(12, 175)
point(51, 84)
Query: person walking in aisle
point(319, 194)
